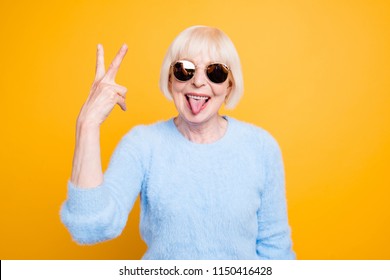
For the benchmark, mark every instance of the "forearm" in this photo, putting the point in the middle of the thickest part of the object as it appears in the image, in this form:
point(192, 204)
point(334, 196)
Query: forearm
point(99, 213)
point(87, 168)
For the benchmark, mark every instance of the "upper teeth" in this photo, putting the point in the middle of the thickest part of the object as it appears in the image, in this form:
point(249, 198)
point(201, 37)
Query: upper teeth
point(197, 97)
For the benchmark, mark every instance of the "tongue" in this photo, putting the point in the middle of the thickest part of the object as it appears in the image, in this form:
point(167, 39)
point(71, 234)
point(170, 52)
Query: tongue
point(196, 105)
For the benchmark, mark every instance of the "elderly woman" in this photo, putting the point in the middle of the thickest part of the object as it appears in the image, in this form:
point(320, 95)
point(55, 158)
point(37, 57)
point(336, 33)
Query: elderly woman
point(211, 187)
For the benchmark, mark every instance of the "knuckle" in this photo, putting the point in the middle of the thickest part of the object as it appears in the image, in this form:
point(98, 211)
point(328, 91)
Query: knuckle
point(121, 88)
point(112, 97)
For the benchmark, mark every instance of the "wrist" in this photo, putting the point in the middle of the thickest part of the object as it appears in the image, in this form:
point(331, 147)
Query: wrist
point(87, 124)
point(87, 129)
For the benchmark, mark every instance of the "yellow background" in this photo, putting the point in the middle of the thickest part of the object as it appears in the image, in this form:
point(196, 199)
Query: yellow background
point(316, 76)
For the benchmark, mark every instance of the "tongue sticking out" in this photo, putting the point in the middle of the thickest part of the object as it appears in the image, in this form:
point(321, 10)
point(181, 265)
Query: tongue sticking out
point(196, 105)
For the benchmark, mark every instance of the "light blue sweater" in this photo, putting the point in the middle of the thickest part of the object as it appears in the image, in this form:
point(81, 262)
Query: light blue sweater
point(224, 200)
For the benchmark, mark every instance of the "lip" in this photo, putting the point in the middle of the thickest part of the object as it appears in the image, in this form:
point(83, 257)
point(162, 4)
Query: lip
point(197, 94)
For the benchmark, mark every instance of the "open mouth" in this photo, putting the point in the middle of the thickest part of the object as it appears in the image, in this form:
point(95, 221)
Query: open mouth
point(197, 102)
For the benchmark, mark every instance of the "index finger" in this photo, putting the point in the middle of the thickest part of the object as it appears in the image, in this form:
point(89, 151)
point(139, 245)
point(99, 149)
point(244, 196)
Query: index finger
point(114, 67)
point(99, 73)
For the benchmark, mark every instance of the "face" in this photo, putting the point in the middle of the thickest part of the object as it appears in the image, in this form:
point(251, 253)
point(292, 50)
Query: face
point(198, 100)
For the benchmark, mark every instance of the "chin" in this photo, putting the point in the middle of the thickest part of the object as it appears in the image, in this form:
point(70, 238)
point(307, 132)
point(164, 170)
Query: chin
point(200, 118)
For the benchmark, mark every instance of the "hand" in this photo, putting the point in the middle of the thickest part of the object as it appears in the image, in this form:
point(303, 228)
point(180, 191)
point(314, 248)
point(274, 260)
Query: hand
point(105, 93)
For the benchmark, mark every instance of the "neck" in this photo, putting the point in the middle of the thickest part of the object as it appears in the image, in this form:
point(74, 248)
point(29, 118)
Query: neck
point(202, 133)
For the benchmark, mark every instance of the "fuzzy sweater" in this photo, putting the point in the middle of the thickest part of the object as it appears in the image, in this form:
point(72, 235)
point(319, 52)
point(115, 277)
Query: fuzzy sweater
point(224, 200)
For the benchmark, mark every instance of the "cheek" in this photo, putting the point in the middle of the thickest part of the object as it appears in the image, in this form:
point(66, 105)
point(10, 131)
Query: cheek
point(176, 87)
point(222, 90)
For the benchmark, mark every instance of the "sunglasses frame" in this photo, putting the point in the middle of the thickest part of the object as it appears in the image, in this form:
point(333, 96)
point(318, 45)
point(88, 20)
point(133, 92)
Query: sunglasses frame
point(205, 69)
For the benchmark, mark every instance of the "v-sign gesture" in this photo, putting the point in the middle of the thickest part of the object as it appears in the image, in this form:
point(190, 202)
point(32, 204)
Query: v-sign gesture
point(105, 93)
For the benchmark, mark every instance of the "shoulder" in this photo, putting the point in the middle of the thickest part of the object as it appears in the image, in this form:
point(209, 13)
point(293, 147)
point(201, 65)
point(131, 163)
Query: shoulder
point(253, 134)
point(140, 138)
point(148, 132)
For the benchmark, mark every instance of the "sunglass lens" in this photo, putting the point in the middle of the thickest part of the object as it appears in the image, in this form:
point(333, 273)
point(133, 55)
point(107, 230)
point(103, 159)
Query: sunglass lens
point(183, 70)
point(217, 73)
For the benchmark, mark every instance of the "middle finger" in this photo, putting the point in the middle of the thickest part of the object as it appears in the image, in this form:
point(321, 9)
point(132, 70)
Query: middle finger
point(114, 67)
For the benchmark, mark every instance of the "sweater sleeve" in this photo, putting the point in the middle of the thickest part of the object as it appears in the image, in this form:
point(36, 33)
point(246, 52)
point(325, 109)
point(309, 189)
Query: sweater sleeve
point(274, 240)
point(96, 214)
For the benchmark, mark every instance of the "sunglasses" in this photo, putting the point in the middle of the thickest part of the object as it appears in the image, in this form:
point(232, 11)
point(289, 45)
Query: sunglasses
point(184, 70)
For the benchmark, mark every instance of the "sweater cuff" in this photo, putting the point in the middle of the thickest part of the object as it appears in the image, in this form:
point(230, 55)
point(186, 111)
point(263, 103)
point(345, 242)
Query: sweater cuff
point(86, 200)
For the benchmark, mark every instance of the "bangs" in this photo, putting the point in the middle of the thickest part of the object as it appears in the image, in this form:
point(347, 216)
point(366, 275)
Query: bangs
point(200, 41)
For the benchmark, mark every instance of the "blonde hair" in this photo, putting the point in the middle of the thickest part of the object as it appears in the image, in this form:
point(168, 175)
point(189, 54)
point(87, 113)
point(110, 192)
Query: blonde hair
point(196, 39)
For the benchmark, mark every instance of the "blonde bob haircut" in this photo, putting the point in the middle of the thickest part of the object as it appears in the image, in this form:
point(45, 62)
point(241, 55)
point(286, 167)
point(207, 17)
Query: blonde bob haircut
point(193, 41)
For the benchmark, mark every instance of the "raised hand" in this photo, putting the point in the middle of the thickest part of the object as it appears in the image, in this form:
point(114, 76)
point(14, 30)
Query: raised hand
point(105, 93)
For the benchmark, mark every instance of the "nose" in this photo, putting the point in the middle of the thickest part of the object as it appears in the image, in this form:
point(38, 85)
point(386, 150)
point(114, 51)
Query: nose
point(199, 78)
